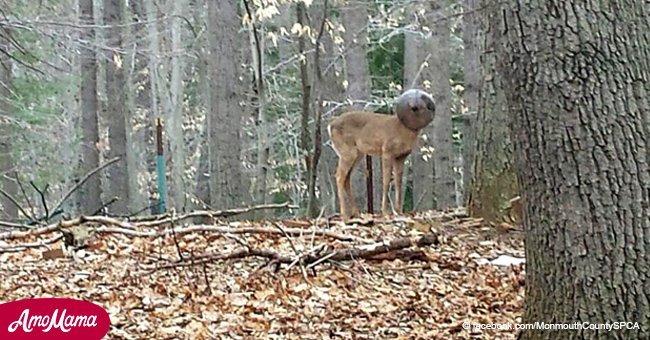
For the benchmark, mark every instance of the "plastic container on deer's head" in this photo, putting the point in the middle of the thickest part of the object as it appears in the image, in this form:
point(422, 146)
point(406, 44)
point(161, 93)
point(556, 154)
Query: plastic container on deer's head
point(415, 109)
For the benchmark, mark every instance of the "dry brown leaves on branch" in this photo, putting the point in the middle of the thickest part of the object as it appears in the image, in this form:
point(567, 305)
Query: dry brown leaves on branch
point(414, 277)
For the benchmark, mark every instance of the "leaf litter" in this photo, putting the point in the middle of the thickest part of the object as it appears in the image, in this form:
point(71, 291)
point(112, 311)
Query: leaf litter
point(248, 298)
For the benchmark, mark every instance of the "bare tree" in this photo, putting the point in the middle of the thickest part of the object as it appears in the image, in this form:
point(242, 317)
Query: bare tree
point(7, 167)
point(418, 74)
point(143, 102)
point(263, 145)
point(472, 46)
point(438, 44)
point(115, 108)
point(224, 120)
point(576, 81)
point(332, 92)
point(494, 180)
point(176, 115)
point(354, 19)
point(91, 201)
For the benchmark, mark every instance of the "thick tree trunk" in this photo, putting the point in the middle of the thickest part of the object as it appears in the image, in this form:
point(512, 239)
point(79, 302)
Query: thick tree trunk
point(91, 201)
point(472, 43)
point(577, 86)
point(418, 74)
point(332, 91)
point(143, 103)
point(175, 133)
point(441, 128)
point(202, 190)
point(7, 167)
point(354, 19)
point(224, 120)
point(256, 37)
point(115, 109)
point(494, 180)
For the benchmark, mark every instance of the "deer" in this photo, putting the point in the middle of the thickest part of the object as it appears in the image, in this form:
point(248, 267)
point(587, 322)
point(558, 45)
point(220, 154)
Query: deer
point(393, 137)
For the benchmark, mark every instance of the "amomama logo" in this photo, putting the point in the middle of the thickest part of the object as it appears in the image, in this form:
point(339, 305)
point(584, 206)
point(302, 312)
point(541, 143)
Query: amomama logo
point(53, 318)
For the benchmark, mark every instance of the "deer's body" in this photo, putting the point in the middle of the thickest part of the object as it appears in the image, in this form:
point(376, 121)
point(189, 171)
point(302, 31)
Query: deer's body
point(371, 133)
point(393, 137)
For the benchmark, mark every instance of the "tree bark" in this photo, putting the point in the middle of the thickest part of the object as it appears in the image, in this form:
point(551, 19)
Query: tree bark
point(354, 19)
point(473, 45)
point(91, 201)
point(441, 128)
point(115, 108)
point(419, 74)
point(7, 167)
point(175, 133)
point(144, 103)
point(577, 88)
point(332, 91)
point(224, 120)
point(263, 127)
point(494, 180)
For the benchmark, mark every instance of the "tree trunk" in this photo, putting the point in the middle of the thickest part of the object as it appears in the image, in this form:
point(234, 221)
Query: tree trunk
point(144, 104)
point(418, 74)
point(441, 128)
point(576, 80)
point(7, 167)
point(472, 43)
point(355, 18)
point(332, 91)
point(305, 140)
point(263, 127)
point(91, 201)
point(202, 190)
point(175, 128)
point(224, 120)
point(494, 180)
point(115, 110)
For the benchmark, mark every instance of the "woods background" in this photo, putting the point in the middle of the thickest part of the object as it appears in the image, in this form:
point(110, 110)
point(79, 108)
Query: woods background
point(244, 96)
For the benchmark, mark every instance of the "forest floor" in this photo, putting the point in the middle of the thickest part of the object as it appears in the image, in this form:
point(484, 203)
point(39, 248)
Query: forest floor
point(166, 287)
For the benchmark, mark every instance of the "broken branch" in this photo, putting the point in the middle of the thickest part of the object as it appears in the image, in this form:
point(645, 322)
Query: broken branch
point(362, 252)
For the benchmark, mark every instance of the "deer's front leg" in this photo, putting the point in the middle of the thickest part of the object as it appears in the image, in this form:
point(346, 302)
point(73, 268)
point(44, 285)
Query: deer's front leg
point(341, 175)
point(398, 168)
point(386, 169)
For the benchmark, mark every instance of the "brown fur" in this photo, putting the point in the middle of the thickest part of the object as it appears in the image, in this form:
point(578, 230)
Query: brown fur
point(393, 137)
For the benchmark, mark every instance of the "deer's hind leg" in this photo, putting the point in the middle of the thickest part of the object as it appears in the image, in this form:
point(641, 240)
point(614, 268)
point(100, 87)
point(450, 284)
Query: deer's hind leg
point(343, 172)
point(386, 171)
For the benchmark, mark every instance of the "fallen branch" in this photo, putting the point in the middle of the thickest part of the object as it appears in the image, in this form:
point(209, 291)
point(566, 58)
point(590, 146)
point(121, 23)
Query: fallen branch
point(12, 248)
point(156, 220)
point(361, 252)
point(231, 230)
point(10, 235)
point(15, 225)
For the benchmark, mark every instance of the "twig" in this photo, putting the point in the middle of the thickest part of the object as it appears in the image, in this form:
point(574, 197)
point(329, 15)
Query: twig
point(111, 201)
point(83, 180)
point(29, 202)
point(43, 202)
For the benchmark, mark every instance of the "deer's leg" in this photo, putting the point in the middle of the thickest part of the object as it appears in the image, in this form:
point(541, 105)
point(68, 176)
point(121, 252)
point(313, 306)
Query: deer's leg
point(342, 171)
point(398, 170)
point(348, 188)
point(386, 169)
